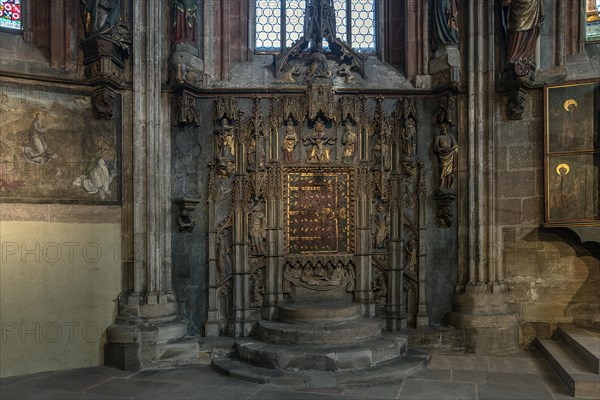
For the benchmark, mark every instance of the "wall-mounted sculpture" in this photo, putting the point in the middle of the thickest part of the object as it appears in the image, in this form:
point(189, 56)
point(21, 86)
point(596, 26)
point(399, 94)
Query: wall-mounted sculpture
point(445, 147)
point(522, 20)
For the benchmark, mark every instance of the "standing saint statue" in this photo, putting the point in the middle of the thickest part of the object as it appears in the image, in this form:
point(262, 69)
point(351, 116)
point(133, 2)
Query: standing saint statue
point(409, 137)
point(381, 222)
point(184, 22)
point(447, 150)
point(258, 231)
point(445, 27)
point(523, 21)
point(349, 141)
point(100, 16)
point(290, 140)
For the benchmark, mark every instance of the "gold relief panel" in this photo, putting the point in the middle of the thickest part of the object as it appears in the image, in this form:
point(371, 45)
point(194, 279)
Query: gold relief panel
point(319, 210)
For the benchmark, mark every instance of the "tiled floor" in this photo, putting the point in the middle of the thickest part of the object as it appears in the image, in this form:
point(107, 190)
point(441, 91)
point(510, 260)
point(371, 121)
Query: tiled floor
point(518, 376)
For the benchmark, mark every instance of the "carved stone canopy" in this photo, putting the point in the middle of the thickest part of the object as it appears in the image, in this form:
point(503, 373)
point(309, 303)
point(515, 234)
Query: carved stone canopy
point(320, 24)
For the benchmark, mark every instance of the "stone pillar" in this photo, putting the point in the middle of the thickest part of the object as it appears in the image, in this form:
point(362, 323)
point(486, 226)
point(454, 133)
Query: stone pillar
point(275, 247)
point(422, 316)
point(395, 313)
point(148, 311)
point(480, 302)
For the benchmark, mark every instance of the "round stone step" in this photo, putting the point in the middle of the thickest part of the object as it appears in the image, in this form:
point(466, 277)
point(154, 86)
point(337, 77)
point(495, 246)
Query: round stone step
point(268, 355)
point(320, 334)
point(314, 312)
point(390, 371)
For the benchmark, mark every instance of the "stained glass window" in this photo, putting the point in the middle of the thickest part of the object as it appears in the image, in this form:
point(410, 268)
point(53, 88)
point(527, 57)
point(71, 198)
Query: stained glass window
point(10, 14)
point(592, 20)
point(355, 23)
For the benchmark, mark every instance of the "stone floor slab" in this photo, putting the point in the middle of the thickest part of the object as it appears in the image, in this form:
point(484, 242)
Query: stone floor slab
point(492, 391)
point(384, 391)
point(419, 390)
point(461, 362)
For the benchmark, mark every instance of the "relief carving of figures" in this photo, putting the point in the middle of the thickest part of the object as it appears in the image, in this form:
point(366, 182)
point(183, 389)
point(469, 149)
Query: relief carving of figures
point(318, 275)
point(290, 141)
point(258, 229)
point(445, 27)
point(447, 151)
point(318, 151)
point(37, 150)
point(523, 20)
point(409, 137)
point(380, 227)
point(100, 16)
point(379, 286)
point(184, 22)
point(349, 140)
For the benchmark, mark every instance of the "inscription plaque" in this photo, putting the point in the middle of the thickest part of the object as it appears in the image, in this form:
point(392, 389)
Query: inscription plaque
point(317, 212)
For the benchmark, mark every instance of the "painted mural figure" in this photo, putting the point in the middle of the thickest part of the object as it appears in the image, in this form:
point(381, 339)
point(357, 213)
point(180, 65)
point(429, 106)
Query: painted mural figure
point(100, 16)
point(349, 140)
point(37, 150)
point(446, 149)
point(523, 25)
point(572, 126)
point(100, 172)
point(445, 28)
point(184, 24)
point(290, 140)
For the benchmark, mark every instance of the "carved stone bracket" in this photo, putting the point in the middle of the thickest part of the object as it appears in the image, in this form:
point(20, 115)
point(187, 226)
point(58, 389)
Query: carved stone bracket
point(185, 221)
point(103, 101)
point(516, 88)
point(186, 109)
point(444, 214)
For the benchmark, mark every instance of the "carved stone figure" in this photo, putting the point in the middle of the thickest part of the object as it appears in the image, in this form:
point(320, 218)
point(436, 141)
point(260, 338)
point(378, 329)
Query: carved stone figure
point(445, 28)
point(523, 25)
point(409, 136)
point(37, 150)
point(227, 141)
point(223, 260)
point(379, 287)
point(290, 140)
point(258, 287)
point(380, 227)
point(380, 153)
point(410, 256)
point(349, 140)
point(447, 150)
point(318, 142)
point(184, 22)
point(258, 231)
point(100, 16)
point(319, 68)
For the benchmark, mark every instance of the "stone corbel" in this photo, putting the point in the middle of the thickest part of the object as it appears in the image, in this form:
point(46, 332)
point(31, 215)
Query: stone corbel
point(104, 53)
point(444, 214)
point(186, 109)
point(185, 221)
point(103, 101)
point(516, 88)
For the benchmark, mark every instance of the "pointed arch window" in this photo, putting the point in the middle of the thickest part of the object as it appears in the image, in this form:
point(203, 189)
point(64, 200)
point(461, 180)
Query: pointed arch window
point(11, 18)
point(280, 23)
